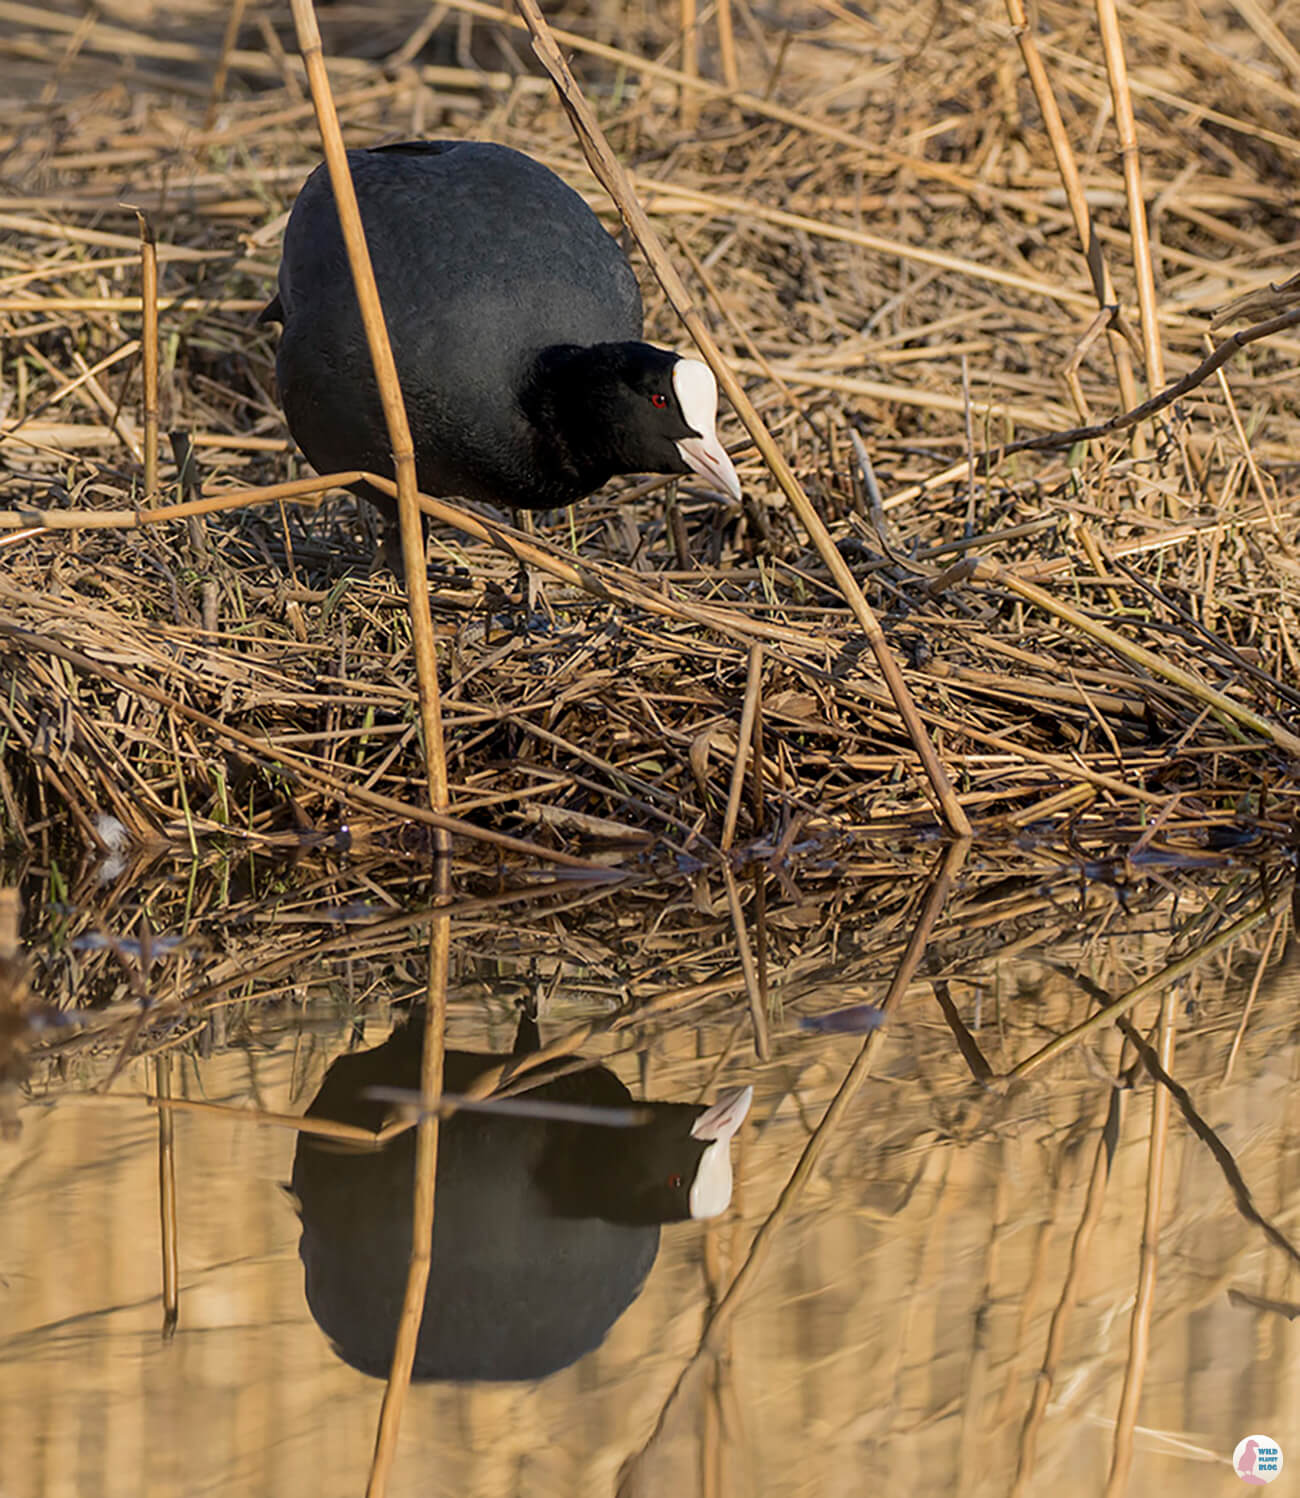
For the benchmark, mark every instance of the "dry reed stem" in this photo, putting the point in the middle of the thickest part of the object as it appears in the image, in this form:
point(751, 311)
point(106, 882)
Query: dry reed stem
point(727, 46)
point(422, 1215)
point(1139, 1340)
point(749, 720)
point(1117, 71)
point(298, 490)
point(1244, 1019)
point(1107, 1015)
point(689, 102)
point(608, 169)
point(754, 990)
point(715, 1330)
point(1224, 707)
point(1080, 1247)
point(168, 1225)
point(264, 1118)
point(1075, 194)
point(234, 19)
point(390, 394)
point(149, 351)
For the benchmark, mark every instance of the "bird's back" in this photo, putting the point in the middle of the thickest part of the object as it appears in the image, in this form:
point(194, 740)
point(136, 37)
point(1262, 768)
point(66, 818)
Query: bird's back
point(482, 257)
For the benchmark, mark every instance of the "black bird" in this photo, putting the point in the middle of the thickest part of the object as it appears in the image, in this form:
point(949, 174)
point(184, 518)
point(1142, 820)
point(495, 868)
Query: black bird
point(515, 322)
point(544, 1229)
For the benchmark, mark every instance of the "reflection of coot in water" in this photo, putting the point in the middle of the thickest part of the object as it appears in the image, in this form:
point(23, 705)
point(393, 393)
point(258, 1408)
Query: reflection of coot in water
point(544, 1231)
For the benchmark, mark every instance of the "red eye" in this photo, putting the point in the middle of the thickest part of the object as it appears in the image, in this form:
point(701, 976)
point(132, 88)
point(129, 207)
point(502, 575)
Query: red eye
point(659, 399)
point(674, 1183)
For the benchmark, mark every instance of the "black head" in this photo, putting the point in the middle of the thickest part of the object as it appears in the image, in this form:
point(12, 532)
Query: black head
point(676, 1166)
point(629, 408)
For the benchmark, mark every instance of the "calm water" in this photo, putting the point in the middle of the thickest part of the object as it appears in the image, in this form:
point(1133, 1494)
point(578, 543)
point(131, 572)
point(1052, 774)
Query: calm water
point(894, 1332)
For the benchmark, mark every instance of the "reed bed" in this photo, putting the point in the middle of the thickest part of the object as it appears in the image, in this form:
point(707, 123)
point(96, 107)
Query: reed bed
point(941, 250)
point(1099, 639)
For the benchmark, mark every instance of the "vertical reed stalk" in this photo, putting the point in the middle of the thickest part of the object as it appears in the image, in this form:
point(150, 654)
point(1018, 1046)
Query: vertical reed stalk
point(689, 100)
point(727, 46)
point(744, 743)
point(162, 1072)
point(426, 1169)
point(1102, 284)
point(381, 353)
point(233, 22)
point(149, 352)
point(1117, 71)
point(1139, 1334)
point(757, 1005)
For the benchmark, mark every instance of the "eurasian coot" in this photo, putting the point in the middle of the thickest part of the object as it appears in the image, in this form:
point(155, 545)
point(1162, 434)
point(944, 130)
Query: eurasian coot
point(544, 1230)
point(515, 322)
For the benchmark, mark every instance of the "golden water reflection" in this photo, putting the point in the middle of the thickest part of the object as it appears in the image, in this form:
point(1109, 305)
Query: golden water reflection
point(894, 1336)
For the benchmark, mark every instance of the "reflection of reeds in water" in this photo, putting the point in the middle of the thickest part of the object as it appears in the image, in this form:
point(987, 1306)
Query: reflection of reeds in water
point(900, 1321)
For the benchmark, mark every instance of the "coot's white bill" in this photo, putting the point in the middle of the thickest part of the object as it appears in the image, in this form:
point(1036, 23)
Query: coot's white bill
point(711, 1190)
point(697, 395)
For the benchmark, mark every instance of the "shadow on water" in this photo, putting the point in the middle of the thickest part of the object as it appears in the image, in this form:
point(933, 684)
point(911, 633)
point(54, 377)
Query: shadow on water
point(930, 1269)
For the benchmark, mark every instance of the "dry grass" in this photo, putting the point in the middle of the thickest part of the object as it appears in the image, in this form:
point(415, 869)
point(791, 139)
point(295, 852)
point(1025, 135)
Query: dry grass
point(895, 273)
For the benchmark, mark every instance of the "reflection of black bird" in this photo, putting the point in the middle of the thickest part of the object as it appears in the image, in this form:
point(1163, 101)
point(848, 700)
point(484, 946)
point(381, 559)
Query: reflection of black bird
point(515, 322)
point(544, 1231)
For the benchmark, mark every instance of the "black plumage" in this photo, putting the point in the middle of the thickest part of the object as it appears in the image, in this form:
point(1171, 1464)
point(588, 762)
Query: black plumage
point(515, 322)
point(544, 1230)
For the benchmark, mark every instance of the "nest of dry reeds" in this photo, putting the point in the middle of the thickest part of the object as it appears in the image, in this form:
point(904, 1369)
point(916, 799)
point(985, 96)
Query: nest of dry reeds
point(1098, 639)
